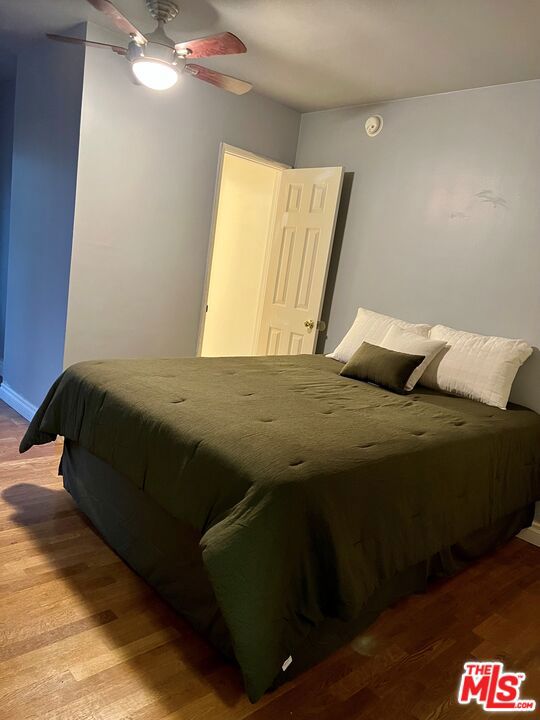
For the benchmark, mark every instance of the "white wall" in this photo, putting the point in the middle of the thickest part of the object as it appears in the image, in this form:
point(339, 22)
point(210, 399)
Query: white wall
point(241, 237)
point(443, 222)
point(145, 187)
point(45, 147)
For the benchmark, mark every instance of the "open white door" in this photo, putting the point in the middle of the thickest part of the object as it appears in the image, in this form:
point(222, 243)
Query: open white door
point(300, 250)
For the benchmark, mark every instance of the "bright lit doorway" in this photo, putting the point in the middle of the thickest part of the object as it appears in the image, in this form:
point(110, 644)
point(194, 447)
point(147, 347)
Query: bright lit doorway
point(270, 248)
point(246, 190)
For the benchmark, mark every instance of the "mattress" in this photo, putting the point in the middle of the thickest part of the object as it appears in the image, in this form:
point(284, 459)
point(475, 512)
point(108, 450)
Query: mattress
point(307, 492)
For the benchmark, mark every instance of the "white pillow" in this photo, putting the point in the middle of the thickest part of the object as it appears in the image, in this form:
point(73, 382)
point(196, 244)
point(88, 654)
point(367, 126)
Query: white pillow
point(480, 367)
point(412, 344)
point(371, 326)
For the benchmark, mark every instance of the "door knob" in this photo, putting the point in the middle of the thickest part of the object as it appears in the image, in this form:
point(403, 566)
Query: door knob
point(309, 324)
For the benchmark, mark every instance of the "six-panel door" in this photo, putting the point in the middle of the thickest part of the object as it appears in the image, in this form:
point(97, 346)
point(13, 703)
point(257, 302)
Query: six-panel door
point(299, 256)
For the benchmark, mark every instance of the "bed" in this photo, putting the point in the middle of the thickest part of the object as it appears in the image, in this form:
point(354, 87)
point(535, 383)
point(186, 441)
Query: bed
point(278, 505)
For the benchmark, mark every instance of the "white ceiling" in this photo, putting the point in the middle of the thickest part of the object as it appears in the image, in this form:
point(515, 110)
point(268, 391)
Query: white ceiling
point(314, 54)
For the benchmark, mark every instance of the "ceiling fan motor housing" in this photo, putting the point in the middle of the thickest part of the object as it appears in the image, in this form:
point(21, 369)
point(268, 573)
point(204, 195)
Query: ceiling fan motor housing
point(155, 51)
point(159, 46)
point(162, 10)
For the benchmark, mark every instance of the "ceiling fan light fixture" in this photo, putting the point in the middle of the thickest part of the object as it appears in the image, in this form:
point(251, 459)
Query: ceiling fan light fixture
point(157, 60)
point(155, 74)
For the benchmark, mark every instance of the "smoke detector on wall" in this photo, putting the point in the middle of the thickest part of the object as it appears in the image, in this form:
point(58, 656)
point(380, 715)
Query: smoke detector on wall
point(374, 125)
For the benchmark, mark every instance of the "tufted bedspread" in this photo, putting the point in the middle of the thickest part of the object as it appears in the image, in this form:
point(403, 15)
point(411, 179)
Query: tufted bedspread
point(308, 489)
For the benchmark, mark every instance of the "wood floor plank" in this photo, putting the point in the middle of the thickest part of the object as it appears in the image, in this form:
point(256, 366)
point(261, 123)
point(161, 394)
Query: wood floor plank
point(83, 638)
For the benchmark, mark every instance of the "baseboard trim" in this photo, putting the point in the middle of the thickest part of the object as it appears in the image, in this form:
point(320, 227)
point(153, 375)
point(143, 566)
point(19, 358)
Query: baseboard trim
point(531, 534)
point(17, 402)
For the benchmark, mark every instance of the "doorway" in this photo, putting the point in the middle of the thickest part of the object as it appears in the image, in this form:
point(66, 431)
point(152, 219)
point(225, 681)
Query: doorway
point(246, 188)
point(269, 253)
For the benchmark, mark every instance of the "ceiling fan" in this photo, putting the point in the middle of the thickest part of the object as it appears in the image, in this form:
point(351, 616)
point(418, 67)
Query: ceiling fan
point(156, 60)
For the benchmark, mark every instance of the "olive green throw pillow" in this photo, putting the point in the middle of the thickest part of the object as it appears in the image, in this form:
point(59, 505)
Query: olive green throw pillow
point(388, 368)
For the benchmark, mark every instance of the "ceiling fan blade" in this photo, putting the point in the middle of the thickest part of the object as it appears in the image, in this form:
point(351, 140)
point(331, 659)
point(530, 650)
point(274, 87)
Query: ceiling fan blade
point(121, 22)
point(223, 44)
point(90, 43)
point(226, 82)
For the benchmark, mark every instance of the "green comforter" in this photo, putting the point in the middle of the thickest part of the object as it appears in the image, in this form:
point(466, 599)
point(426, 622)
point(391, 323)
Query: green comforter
point(308, 489)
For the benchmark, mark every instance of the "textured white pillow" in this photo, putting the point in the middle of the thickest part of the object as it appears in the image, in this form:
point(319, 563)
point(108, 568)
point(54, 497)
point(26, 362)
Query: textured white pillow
point(480, 367)
point(412, 344)
point(371, 326)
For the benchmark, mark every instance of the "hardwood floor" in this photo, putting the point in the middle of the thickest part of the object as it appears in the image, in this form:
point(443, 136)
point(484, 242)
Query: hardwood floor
point(83, 638)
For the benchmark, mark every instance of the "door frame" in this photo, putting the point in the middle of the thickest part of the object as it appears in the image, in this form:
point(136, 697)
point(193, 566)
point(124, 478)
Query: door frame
point(226, 149)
